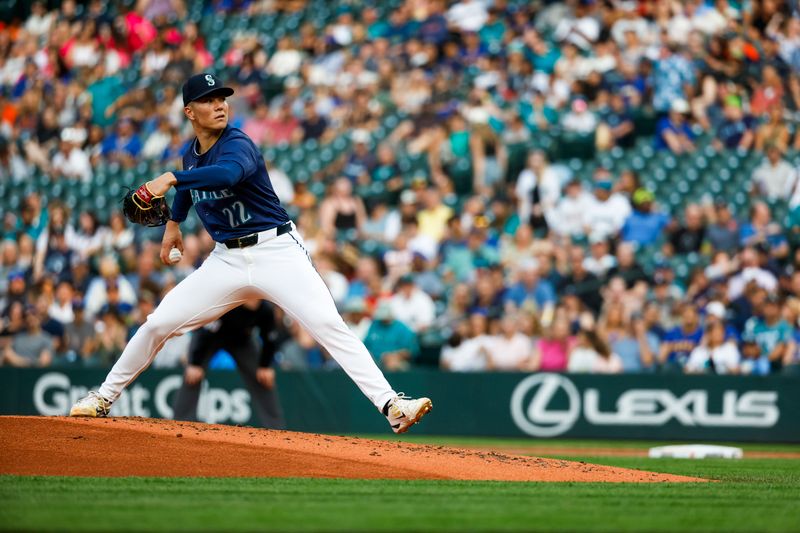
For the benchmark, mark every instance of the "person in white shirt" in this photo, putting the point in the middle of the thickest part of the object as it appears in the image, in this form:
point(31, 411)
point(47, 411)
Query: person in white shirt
point(466, 349)
point(593, 354)
point(714, 355)
point(61, 308)
point(510, 350)
point(159, 140)
point(567, 218)
point(286, 60)
point(581, 29)
point(355, 316)
point(467, 15)
point(775, 178)
point(606, 215)
point(631, 21)
point(750, 270)
point(70, 161)
point(411, 305)
point(538, 189)
point(335, 281)
point(580, 119)
point(599, 261)
point(39, 21)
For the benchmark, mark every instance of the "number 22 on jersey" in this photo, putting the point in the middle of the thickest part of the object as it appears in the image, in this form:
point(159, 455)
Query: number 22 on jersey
point(237, 214)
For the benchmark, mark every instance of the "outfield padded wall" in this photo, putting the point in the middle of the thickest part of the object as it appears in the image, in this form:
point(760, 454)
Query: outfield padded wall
point(669, 407)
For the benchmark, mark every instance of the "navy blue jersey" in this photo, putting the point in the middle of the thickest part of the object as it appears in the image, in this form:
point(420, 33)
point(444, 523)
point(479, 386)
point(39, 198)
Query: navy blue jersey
point(229, 187)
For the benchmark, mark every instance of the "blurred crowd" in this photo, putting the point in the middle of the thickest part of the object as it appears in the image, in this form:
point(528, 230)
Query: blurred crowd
point(487, 256)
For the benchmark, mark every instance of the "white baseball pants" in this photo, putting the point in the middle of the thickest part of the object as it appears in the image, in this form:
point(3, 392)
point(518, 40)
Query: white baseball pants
point(278, 270)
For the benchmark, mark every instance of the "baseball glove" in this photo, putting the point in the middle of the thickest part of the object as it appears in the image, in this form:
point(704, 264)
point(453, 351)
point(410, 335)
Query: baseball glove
point(143, 207)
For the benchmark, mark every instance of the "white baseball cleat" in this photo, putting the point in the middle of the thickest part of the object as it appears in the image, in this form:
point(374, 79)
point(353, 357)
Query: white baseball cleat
point(92, 405)
point(403, 412)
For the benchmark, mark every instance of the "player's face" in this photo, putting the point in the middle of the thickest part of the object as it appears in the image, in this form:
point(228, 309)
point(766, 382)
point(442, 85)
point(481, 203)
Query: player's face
point(209, 112)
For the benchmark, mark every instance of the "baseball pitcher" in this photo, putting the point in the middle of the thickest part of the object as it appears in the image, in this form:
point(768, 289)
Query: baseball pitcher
point(259, 254)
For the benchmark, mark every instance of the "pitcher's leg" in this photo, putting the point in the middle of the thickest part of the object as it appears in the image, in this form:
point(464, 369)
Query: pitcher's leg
point(205, 295)
point(290, 280)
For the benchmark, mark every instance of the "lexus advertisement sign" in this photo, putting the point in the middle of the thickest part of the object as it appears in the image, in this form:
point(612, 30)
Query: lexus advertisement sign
point(557, 405)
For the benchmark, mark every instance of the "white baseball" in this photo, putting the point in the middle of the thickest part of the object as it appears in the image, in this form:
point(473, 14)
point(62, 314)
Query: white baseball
point(174, 255)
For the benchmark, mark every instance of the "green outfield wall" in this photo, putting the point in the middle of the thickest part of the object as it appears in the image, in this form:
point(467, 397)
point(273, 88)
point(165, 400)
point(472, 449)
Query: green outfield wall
point(501, 404)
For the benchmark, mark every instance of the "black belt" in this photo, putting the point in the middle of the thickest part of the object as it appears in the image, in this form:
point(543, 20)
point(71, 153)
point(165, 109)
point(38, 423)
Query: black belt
point(250, 240)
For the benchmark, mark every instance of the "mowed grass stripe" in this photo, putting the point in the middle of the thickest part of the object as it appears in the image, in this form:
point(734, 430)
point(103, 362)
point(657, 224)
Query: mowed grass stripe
point(752, 495)
point(533, 443)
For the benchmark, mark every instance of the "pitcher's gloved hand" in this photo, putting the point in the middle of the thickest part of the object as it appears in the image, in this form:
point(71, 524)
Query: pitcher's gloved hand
point(143, 207)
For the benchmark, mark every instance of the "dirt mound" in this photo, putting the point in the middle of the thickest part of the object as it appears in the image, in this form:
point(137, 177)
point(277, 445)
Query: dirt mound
point(149, 447)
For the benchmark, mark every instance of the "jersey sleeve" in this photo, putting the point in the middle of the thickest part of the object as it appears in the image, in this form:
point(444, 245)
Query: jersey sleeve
point(181, 205)
point(242, 152)
point(236, 161)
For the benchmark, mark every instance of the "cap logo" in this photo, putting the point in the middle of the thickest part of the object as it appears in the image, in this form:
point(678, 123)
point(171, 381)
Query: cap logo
point(210, 80)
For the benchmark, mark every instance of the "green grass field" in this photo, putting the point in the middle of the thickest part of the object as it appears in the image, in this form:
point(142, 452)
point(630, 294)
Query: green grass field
point(750, 495)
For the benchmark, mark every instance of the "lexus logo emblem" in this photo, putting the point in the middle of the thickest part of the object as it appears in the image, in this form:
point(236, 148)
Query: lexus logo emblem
point(531, 405)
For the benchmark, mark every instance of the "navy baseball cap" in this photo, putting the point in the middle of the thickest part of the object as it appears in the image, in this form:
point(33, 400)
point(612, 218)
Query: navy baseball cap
point(201, 85)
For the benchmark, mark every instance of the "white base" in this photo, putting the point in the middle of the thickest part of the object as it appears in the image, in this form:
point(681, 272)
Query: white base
point(696, 451)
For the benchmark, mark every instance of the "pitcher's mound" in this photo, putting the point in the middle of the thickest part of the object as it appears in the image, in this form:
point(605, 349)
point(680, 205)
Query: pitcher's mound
point(150, 447)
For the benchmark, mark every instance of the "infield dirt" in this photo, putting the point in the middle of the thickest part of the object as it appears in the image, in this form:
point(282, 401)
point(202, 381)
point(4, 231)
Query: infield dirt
point(116, 447)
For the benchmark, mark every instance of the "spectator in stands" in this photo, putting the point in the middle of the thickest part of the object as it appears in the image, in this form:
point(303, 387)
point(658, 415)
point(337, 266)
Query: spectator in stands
point(580, 119)
point(433, 216)
point(411, 305)
point(774, 132)
point(551, 352)
point(592, 353)
point(359, 164)
point(17, 290)
point(736, 130)
point(465, 351)
point(616, 125)
point(771, 333)
point(606, 215)
point(722, 232)
point(355, 316)
point(509, 349)
point(628, 337)
point(580, 282)
point(70, 161)
point(645, 224)
point(313, 124)
point(31, 347)
point(626, 267)
point(775, 178)
point(97, 295)
point(282, 127)
point(530, 289)
point(391, 343)
point(763, 233)
point(110, 338)
point(257, 127)
point(689, 236)
point(673, 132)
point(714, 355)
point(599, 261)
point(567, 218)
point(80, 333)
point(124, 145)
point(341, 211)
point(537, 190)
point(678, 343)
